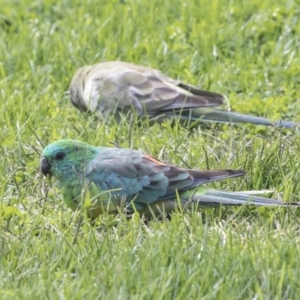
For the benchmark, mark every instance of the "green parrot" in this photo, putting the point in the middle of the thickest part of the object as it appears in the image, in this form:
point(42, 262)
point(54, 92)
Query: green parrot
point(109, 179)
point(116, 86)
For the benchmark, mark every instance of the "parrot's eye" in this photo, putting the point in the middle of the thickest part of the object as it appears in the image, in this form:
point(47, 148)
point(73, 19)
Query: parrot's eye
point(44, 160)
point(59, 155)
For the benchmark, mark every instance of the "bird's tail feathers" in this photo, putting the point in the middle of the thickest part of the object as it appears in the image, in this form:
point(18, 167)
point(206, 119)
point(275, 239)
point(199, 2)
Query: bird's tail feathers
point(223, 116)
point(215, 198)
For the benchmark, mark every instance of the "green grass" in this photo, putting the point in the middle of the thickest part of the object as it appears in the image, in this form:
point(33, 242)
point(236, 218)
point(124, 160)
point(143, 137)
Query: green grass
point(247, 50)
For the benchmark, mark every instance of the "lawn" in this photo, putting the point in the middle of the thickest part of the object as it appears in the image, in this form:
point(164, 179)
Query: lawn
point(246, 50)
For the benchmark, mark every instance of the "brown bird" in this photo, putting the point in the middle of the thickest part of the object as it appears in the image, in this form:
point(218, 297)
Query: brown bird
point(115, 87)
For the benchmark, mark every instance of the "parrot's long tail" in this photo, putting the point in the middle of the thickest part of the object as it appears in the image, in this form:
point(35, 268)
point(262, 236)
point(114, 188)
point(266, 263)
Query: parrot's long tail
point(215, 198)
point(223, 116)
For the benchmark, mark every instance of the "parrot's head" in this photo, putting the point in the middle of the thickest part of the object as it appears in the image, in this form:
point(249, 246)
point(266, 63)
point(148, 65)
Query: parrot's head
point(79, 84)
point(65, 158)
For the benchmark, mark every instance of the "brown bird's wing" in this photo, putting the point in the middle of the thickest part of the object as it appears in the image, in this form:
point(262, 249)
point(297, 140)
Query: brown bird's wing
point(114, 86)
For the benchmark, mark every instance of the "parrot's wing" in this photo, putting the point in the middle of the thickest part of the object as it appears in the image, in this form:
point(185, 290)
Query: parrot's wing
point(115, 86)
point(142, 178)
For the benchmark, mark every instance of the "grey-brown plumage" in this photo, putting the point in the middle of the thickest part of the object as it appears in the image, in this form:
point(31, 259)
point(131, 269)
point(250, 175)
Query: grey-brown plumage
point(114, 87)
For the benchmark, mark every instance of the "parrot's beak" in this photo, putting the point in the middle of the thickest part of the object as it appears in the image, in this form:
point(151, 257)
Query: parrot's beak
point(45, 166)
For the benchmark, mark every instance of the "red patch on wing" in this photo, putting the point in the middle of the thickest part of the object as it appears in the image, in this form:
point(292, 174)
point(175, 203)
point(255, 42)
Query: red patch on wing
point(154, 160)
